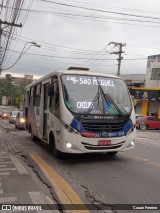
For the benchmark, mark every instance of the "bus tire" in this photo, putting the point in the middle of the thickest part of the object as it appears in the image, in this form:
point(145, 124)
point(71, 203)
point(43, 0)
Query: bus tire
point(33, 137)
point(52, 146)
point(111, 153)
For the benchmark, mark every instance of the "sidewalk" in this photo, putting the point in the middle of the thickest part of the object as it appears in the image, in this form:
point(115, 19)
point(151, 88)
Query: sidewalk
point(148, 134)
point(18, 183)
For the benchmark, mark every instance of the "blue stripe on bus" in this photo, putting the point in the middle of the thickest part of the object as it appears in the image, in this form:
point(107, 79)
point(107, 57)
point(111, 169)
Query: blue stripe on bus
point(128, 126)
point(77, 125)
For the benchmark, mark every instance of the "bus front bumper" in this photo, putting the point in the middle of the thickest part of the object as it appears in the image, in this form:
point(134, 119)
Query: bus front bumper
point(72, 143)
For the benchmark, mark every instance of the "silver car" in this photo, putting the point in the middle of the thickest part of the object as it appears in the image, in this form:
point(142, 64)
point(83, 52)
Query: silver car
point(12, 117)
point(20, 121)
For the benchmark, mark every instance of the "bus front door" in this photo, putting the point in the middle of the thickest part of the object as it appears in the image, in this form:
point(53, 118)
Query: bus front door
point(45, 111)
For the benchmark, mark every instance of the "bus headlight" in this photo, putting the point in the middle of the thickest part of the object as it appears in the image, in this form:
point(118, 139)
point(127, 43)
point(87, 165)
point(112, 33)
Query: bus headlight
point(69, 145)
point(70, 129)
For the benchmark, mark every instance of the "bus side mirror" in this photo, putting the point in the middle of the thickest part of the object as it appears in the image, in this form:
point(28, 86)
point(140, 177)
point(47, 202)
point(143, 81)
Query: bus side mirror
point(51, 90)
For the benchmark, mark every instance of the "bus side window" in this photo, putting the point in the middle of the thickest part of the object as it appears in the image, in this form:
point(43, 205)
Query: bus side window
point(31, 96)
point(37, 97)
point(54, 99)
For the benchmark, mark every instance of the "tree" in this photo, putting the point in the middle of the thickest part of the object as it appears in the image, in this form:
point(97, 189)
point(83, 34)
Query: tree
point(15, 93)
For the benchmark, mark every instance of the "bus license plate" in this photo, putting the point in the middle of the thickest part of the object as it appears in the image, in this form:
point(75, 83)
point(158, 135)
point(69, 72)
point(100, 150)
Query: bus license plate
point(104, 142)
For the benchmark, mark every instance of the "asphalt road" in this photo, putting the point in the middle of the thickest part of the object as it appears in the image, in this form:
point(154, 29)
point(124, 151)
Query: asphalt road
point(129, 178)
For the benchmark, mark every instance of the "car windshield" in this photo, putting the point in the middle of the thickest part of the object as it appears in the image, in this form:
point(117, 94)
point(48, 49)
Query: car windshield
point(14, 113)
point(95, 95)
point(6, 112)
point(21, 114)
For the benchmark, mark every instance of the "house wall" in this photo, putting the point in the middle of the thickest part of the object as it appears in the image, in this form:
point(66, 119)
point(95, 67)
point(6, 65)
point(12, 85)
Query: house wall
point(153, 62)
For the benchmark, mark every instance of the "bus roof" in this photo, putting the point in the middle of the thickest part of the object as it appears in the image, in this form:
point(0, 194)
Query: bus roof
point(78, 72)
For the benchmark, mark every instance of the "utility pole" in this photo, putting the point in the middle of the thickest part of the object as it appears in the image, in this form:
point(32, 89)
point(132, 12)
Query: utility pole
point(1, 30)
point(119, 53)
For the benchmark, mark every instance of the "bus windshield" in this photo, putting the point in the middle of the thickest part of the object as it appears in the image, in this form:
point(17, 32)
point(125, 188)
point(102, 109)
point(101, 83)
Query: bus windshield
point(85, 94)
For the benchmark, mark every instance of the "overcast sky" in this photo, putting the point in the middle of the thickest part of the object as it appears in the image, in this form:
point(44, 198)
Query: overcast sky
point(80, 40)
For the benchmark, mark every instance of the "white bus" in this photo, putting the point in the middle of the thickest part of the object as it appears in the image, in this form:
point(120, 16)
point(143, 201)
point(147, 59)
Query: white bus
point(78, 111)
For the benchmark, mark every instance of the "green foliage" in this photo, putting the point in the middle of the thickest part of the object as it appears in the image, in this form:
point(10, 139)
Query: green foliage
point(15, 93)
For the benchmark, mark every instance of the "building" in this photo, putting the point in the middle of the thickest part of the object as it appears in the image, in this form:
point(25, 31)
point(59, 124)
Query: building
point(153, 72)
point(147, 98)
point(27, 79)
point(136, 80)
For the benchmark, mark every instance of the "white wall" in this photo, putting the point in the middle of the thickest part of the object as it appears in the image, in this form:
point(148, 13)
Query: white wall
point(153, 62)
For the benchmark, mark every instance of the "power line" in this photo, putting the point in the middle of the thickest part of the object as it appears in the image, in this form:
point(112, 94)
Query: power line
point(100, 10)
point(55, 56)
point(23, 22)
point(10, 22)
point(98, 18)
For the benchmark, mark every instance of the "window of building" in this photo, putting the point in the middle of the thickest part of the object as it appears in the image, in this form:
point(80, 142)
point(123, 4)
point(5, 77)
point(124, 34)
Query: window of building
point(155, 75)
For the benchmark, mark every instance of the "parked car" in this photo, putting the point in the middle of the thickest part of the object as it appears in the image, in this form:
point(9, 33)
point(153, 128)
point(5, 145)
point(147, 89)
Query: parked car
point(151, 122)
point(5, 114)
point(20, 121)
point(3, 110)
point(12, 116)
point(139, 118)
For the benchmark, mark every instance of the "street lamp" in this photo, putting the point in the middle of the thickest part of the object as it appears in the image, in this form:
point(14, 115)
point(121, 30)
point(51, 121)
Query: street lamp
point(32, 43)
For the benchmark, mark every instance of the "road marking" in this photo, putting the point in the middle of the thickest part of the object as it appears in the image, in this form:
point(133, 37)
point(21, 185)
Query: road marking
point(3, 166)
point(63, 190)
point(143, 159)
point(7, 199)
point(7, 169)
point(20, 168)
point(37, 198)
point(4, 173)
point(5, 162)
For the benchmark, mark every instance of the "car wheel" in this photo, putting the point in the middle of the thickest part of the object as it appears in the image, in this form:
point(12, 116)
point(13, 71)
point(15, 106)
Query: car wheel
point(19, 126)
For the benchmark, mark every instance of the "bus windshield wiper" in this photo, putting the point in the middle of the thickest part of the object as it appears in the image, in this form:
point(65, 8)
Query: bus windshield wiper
point(96, 98)
point(108, 99)
point(114, 104)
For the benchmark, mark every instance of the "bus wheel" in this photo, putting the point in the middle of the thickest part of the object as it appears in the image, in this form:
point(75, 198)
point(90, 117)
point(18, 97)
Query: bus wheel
point(111, 153)
point(52, 146)
point(33, 137)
